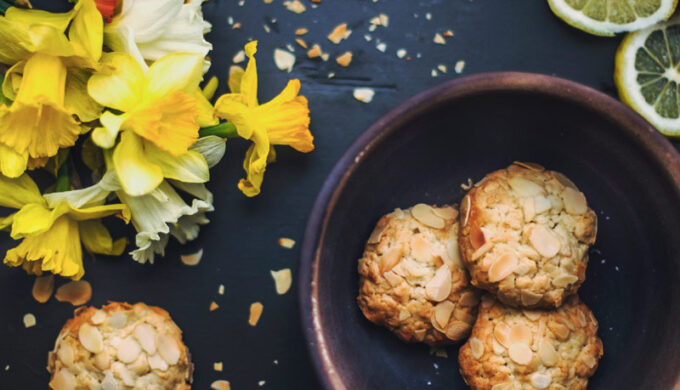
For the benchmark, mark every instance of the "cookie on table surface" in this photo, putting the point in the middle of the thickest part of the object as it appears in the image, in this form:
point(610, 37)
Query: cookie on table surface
point(522, 349)
point(412, 280)
point(524, 236)
point(120, 346)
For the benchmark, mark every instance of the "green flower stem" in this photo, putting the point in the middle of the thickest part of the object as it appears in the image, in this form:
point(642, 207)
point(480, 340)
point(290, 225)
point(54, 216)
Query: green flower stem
point(64, 176)
point(224, 130)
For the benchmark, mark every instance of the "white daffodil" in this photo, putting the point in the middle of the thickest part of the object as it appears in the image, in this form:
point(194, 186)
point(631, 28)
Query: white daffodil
point(150, 29)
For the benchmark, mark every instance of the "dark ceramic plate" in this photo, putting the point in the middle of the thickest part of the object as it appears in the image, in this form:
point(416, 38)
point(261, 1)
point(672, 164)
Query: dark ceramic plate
point(423, 150)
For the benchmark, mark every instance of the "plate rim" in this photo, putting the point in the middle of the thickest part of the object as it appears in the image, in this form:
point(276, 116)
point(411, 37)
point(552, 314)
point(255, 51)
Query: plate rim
point(645, 135)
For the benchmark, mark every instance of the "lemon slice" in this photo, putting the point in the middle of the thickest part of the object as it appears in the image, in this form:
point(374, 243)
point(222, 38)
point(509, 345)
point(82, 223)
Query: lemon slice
point(647, 75)
point(608, 17)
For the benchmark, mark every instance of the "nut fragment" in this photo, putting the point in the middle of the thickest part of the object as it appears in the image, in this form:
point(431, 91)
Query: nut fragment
point(547, 353)
point(146, 335)
point(344, 59)
point(157, 363)
point(43, 287)
point(502, 333)
point(439, 287)
point(109, 382)
point(564, 280)
point(118, 320)
point(315, 51)
point(477, 238)
point(446, 212)
point(284, 59)
point(520, 333)
point(560, 330)
point(287, 243)
point(465, 206)
point(540, 381)
point(477, 348)
point(530, 166)
point(530, 298)
point(544, 241)
point(390, 259)
point(574, 201)
point(91, 338)
point(220, 385)
point(442, 313)
point(255, 313)
point(364, 95)
point(75, 292)
point(520, 353)
point(192, 259)
point(283, 279)
point(425, 215)
point(524, 187)
point(503, 267)
point(457, 330)
point(339, 33)
point(29, 320)
point(128, 350)
point(98, 317)
point(63, 380)
point(168, 349)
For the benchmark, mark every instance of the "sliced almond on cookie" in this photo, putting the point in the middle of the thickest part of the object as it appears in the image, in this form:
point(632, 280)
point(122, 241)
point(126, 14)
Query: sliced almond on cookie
point(90, 338)
point(439, 287)
point(390, 259)
point(547, 354)
point(503, 267)
point(540, 380)
point(574, 201)
point(476, 347)
point(425, 215)
point(524, 187)
point(520, 353)
point(564, 280)
point(544, 241)
point(447, 213)
point(442, 313)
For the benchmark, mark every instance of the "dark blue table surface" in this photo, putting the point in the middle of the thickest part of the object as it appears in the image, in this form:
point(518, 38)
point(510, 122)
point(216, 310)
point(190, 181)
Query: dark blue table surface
point(240, 245)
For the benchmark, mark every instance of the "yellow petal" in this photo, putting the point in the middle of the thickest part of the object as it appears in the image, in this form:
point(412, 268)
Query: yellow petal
point(136, 175)
point(97, 239)
point(57, 250)
point(210, 88)
point(189, 167)
point(29, 17)
point(172, 73)
point(235, 77)
point(105, 137)
point(34, 218)
point(12, 80)
point(87, 31)
point(170, 123)
point(6, 222)
point(12, 164)
point(48, 40)
point(205, 111)
point(76, 98)
point(97, 212)
point(15, 193)
point(286, 118)
point(232, 107)
point(119, 82)
point(16, 42)
point(250, 186)
point(249, 79)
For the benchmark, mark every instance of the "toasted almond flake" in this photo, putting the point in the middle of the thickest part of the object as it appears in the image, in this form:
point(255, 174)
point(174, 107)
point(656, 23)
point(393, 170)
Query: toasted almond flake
point(213, 306)
point(540, 380)
point(530, 298)
point(574, 201)
point(520, 353)
point(284, 59)
point(372, 27)
point(547, 353)
point(503, 267)
point(520, 333)
point(401, 53)
point(63, 380)
point(434, 73)
point(460, 65)
point(168, 349)
point(236, 26)
point(314, 52)
point(390, 259)
point(442, 68)
point(561, 331)
point(157, 363)
point(220, 385)
point(375, 20)
point(442, 313)
point(448, 33)
point(255, 313)
point(230, 20)
point(382, 46)
point(90, 338)
point(425, 214)
point(457, 330)
point(239, 57)
point(146, 336)
point(589, 361)
point(301, 31)
point(392, 278)
point(325, 56)
point(220, 289)
point(477, 236)
point(75, 292)
point(301, 42)
point(524, 187)
point(287, 243)
point(29, 320)
point(501, 332)
point(364, 95)
point(118, 320)
point(43, 287)
point(368, 37)
point(384, 20)
point(98, 317)
point(295, 6)
point(541, 204)
point(376, 235)
point(128, 350)
point(477, 348)
point(339, 33)
point(453, 253)
point(331, 75)
point(530, 166)
point(404, 314)
point(439, 287)
point(192, 259)
point(282, 280)
point(344, 59)
point(544, 241)
point(218, 366)
point(261, 383)
point(266, 28)
point(428, 16)
point(565, 181)
point(564, 280)
point(439, 39)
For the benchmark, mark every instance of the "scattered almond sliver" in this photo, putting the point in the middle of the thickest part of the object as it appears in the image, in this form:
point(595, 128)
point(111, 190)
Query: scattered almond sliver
point(220, 385)
point(442, 68)
point(295, 6)
point(218, 366)
point(43, 287)
point(220, 289)
point(364, 95)
point(282, 280)
point(214, 306)
point(460, 65)
point(29, 320)
point(239, 57)
point(439, 39)
point(76, 292)
point(255, 313)
point(284, 60)
point(287, 243)
point(192, 259)
point(345, 59)
point(315, 51)
point(339, 33)
point(301, 31)
point(448, 33)
point(301, 42)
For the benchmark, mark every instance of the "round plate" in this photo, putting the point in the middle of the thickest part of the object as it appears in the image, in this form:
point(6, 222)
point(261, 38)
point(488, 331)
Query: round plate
point(423, 150)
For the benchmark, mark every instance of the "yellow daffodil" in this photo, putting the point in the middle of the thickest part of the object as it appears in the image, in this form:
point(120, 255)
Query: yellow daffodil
point(54, 226)
point(148, 30)
point(283, 120)
point(40, 119)
point(162, 110)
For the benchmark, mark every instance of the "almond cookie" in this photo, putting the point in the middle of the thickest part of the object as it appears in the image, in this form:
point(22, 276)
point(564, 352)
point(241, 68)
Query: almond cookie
point(525, 233)
point(412, 280)
point(120, 346)
point(512, 349)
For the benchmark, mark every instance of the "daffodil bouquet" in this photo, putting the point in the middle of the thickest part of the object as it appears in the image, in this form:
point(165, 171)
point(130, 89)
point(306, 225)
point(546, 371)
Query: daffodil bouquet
point(119, 81)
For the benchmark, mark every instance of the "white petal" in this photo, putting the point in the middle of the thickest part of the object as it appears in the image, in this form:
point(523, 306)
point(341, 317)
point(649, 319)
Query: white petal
point(149, 19)
point(211, 147)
